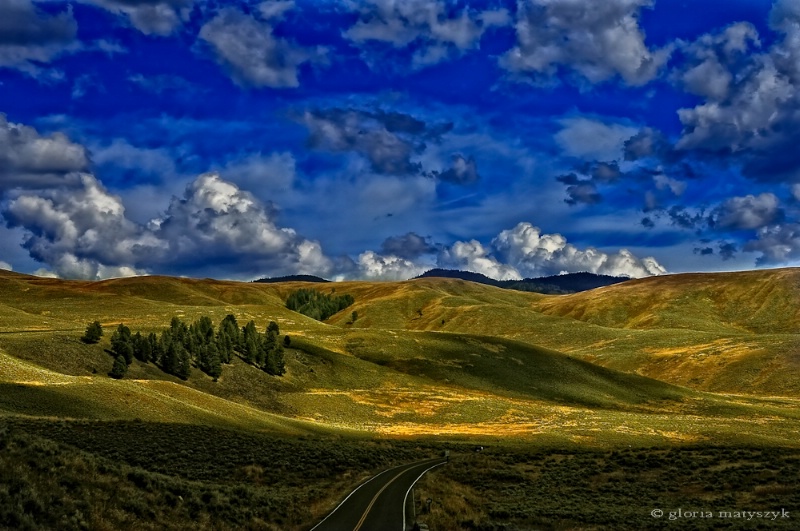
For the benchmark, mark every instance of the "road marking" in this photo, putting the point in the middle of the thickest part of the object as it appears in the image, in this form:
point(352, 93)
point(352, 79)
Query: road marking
point(411, 487)
point(369, 507)
point(354, 491)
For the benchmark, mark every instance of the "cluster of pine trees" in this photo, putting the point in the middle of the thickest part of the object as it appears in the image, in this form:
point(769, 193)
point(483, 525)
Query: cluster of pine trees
point(316, 304)
point(181, 347)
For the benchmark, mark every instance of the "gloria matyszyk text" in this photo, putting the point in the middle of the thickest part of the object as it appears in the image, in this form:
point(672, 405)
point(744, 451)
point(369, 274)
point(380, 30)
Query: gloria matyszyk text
point(683, 514)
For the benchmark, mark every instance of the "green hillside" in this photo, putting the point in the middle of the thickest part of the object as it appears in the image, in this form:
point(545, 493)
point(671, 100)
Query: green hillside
point(429, 356)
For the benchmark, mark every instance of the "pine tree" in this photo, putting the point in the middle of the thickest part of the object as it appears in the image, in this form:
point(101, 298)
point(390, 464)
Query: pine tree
point(119, 369)
point(214, 364)
point(93, 333)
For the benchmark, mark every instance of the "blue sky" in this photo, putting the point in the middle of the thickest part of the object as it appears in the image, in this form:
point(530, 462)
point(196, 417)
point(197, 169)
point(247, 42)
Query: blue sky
point(378, 139)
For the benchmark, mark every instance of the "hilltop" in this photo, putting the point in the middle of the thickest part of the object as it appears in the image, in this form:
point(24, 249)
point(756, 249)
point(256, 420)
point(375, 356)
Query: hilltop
point(554, 284)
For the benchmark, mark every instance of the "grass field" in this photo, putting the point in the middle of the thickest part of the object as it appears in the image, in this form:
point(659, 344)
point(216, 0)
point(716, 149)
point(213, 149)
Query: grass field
point(705, 363)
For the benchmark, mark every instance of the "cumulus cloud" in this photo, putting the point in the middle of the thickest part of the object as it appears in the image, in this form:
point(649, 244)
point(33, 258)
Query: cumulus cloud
point(439, 30)
point(475, 257)
point(29, 36)
point(598, 40)
point(374, 266)
point(151, 17)
point(748, 212)
point(5, 266)
point(389, 141)
point(251, 54)
point(81, 232)
point(535, 254)
point(213, 227)
point(751, 112)
point(710, 59)
point(31, 160)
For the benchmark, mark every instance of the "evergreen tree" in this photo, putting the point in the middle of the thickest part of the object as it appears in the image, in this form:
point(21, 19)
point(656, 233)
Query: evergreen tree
point(93, 333)
point(273, 327)
point(214, 364)
point(121, 343)
point(286, 341)
point(119, 369)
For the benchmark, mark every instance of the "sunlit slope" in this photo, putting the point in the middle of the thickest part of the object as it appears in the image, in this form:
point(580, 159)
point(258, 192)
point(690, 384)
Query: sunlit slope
point(26, 389)
point(434, 356)
point(763, 302)
point(731, 332)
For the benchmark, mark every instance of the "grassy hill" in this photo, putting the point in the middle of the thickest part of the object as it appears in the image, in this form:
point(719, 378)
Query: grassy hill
point(429, 356)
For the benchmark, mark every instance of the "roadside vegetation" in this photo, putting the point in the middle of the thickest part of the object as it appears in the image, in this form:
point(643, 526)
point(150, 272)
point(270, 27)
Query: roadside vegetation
point(506, 487)
point(138, 475)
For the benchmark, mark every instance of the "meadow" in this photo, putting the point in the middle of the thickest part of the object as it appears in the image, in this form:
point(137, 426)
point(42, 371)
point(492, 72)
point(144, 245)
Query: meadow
point(577, 397)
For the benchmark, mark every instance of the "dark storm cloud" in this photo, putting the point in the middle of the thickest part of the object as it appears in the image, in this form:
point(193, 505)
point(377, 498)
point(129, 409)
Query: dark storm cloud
point(28, 36)
point(727, 250)
point(29, 160)
point(748, 212)
point(387, 140)
point(408, 246)
point(704, 251)
point(585, 190)
point(647, 223)
point(462, 171)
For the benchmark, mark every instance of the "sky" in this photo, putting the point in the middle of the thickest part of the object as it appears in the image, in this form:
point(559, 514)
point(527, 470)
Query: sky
point(378, 139)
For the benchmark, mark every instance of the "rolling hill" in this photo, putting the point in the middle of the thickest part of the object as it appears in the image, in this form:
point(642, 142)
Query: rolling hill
point(428, 356)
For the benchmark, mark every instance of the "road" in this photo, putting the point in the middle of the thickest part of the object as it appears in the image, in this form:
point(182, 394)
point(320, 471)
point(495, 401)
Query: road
point(378, 504)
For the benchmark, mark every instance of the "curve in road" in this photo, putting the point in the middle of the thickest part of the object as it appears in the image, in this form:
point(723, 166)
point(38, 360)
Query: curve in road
point(378, 504)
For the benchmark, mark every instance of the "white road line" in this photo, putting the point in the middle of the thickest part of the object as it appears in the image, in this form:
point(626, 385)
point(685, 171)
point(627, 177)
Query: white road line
point(411, 487)
point(354, 491)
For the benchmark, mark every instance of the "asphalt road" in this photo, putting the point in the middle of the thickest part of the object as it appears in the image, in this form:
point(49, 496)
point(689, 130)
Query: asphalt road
point(377, 504)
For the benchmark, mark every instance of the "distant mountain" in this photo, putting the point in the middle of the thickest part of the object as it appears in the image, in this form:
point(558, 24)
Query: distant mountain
point(292, 278)
point(555, 284)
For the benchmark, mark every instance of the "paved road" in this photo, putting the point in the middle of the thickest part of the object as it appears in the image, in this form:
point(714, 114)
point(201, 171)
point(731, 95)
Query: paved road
point(377, 504)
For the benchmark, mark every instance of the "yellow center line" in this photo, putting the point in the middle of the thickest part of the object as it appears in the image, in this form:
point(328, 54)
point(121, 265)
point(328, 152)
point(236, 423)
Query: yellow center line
point(369, 507)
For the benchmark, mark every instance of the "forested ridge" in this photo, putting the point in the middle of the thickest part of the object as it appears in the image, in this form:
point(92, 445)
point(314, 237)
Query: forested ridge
point(181, 347)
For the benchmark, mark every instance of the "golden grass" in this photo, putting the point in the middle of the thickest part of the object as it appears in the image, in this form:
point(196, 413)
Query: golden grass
point(434, 356)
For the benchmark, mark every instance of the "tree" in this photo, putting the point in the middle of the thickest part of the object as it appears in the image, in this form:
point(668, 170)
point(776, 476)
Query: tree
point(119, 369)
point(93, 333)
point(273, 327)
point(121, 343)
point(286, 341)
point(353, 316)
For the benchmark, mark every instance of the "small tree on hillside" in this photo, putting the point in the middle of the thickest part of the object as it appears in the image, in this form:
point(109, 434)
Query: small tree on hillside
point(93, 333)
point(119, 369)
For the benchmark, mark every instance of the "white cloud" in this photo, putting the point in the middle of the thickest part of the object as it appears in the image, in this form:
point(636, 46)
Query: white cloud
point(473, 256)
point(251, 54)
point(388, 267)
point(535, 254)
point(438, 30)
point(151, 17)
point(593, 139)
point(5, 266)
point(599, 40)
